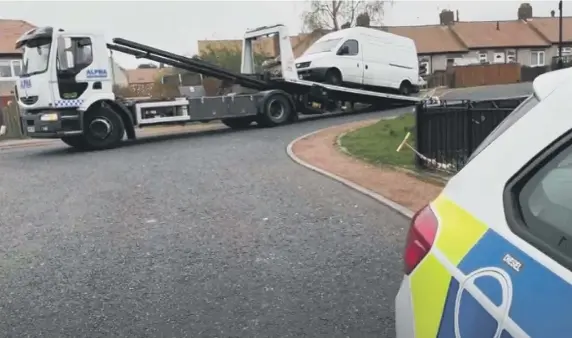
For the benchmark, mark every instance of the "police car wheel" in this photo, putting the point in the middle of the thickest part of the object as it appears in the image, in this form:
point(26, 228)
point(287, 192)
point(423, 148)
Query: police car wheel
point(103, 128)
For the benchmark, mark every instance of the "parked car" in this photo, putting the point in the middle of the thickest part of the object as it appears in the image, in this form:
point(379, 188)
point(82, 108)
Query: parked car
point(492, 255)
point(362, 56)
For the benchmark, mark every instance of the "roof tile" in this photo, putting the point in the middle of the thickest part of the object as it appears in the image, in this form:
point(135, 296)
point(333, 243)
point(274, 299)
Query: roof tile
point(485, 34)
point(10, 31)
point(548, 28)
point(430, 39)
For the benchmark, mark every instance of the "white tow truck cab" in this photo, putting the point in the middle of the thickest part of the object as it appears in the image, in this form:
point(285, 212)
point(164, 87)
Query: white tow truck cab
point(66, 89)
point(362, 57)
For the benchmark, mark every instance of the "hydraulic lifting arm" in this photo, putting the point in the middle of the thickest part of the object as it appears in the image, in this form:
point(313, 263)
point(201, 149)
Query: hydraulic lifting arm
point(198, 66)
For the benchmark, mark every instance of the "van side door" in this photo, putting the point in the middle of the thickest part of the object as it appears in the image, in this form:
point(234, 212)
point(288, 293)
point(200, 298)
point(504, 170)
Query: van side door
point(377, 71)
point(350, 62)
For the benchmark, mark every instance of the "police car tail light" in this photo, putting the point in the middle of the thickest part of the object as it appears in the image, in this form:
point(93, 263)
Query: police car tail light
point(420, 238)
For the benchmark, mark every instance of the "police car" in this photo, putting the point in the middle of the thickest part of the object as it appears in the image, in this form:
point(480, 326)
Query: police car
point(492, 255)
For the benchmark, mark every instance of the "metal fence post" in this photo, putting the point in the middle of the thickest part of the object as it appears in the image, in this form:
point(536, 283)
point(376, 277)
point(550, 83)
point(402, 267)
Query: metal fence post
point(418, 133)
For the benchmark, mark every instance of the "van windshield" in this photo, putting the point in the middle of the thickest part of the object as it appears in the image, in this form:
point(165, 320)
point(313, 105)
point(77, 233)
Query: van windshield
point(323, 46)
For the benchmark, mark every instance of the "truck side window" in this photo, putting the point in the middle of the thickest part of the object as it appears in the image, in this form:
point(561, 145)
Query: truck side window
point(74, 53)
point(351, 46)
point(541, 202)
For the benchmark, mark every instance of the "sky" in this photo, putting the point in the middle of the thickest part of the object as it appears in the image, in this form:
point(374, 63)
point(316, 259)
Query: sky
point(177, 25)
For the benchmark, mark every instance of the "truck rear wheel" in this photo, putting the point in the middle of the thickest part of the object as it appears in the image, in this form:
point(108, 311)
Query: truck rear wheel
point(276, 110)
point(238, 122)
point(103, 128)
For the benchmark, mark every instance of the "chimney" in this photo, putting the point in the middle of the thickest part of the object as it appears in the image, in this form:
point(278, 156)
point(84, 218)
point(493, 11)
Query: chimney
point(552, 13)
point(525, 11)
point(498, 26)
point(161, 65)
point(446, 17)
point(457, 15)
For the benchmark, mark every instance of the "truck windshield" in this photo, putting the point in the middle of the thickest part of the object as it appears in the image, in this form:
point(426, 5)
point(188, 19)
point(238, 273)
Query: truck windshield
point(36, 56)
point(323, 46)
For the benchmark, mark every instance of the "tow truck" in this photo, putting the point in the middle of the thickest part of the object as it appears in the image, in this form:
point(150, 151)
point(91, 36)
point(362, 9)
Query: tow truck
point(65, 90)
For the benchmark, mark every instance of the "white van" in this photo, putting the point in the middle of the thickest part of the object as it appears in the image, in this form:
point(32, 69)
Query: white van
point(362, 57)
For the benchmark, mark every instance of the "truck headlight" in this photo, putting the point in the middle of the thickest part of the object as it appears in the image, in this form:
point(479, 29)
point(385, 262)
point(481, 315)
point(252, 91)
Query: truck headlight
point(303, 64)
point(49, 117)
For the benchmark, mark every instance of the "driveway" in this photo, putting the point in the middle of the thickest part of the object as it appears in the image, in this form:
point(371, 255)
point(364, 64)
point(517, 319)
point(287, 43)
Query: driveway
point(214, 234)
point(488, 92)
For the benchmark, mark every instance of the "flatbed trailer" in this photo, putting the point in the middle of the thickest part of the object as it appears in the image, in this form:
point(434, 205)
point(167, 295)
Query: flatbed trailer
point(76, 103)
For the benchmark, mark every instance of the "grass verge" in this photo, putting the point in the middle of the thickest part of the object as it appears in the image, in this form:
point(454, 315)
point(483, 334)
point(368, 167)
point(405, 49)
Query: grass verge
point(377, 143)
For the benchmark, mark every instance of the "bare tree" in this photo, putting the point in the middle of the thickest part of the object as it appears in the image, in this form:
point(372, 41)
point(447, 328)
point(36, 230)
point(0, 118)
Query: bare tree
point(331, 15)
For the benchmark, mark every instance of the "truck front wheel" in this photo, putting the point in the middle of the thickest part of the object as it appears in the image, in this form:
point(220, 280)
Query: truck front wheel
point(102, 129)
point(75, 141)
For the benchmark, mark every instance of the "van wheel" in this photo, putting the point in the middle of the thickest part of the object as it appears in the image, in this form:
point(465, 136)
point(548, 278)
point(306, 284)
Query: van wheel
point(405, 88)
point(333, 77)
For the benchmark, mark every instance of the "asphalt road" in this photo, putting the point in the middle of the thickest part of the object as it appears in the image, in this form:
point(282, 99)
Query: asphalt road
point(213, 234)
point(489, 92)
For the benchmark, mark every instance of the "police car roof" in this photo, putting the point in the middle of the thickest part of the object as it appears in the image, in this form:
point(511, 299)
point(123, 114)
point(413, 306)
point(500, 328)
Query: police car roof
point(546, 83)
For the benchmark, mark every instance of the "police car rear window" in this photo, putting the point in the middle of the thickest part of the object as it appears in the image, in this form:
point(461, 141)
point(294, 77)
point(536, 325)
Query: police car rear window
point(511, 119)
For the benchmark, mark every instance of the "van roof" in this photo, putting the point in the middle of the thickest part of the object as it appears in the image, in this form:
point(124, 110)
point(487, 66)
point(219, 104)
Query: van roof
point(342, 33)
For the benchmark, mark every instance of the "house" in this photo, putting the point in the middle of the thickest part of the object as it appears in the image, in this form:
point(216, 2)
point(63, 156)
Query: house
point(265, 46)
point(436, 44)
point(502, 42)
point(527, 40)
point(548, 28)
point(10, 57)
point(142, 80)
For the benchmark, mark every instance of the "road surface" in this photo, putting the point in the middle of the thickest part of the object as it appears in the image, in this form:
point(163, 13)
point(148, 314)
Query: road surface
point(216, 234)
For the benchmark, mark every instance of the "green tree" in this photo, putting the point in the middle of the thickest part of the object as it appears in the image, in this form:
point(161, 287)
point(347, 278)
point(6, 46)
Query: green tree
point(332, 15)
point(228, 58)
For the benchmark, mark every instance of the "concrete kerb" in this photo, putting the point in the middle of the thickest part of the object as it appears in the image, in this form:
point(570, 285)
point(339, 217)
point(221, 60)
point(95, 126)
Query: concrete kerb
point(150, 132)
point(16, 144)
point(379, 198)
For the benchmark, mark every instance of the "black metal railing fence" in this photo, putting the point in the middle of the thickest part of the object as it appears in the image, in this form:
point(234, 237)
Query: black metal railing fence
point(448, 132)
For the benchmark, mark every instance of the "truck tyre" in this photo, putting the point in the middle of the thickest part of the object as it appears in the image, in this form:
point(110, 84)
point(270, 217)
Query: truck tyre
point(276, 110)
point(238, 122)
point(103, 128)
point(75, 141)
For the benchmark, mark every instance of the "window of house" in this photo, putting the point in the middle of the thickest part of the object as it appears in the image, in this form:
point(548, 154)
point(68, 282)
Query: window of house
point(537, 58)
point(499, 57)
point(541, 203)
point(16, 67)
point(511, 56)
point(10, 68)
point(566, 51)
point(5, 69)
point(483, 57)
